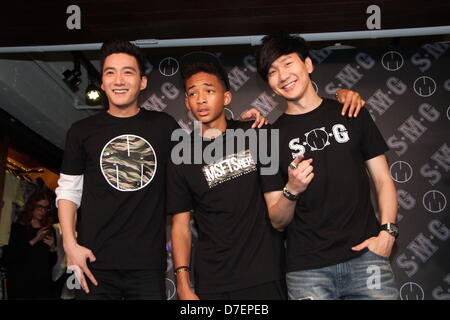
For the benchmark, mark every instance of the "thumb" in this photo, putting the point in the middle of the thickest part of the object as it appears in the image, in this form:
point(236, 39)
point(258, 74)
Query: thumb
point(247, 114)
point(361, 246)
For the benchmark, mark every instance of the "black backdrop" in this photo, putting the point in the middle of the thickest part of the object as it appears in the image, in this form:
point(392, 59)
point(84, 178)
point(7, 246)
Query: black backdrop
point(407, 90)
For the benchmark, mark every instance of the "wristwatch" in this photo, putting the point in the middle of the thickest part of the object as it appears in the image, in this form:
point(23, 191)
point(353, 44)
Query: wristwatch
point(391, 228)
point(289, 195)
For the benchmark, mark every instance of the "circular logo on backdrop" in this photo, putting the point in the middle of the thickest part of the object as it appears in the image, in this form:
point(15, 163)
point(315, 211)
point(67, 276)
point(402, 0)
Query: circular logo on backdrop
point(315, 86)
point(401, 171)
point(434, 201)
point(424, 86)
point(168, 66)
point(229, 114)
point(170, 289)
point(128, 162)
point(317, 139)
point(392, 61)
point(411, 291)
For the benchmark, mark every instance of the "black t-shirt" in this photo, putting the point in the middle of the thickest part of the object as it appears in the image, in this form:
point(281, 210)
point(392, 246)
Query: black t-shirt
point(335, 212)
point(237, 247)
point(123, 161)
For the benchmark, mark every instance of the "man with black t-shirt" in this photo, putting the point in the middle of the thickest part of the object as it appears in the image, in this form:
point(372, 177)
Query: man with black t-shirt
point(114, 170)
point(336, 248)
point(238, 253)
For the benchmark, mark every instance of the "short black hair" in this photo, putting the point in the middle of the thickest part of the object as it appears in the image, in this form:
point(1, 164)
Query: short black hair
point(276, 45)
point(201, 61)
point(122, 46)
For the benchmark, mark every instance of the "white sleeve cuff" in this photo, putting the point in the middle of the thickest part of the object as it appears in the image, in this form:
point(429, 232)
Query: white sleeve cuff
point(69, 188)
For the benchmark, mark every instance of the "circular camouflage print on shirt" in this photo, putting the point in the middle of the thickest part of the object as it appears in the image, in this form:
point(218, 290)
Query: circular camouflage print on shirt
point(128, 162)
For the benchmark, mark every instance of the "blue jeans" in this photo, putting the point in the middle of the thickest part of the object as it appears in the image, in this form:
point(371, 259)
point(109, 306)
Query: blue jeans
point(368, 276)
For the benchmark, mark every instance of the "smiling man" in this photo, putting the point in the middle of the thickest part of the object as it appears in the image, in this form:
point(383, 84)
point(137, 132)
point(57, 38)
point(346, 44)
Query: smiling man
point(114, 171)
point(239, 255)
point(336, 248)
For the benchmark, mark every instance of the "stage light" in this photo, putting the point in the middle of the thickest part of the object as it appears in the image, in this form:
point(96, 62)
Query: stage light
point(72, 77)
point(93, 95)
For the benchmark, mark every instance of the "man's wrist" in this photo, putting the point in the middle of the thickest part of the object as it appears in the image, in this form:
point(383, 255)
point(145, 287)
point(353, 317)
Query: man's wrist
point(69, 243)
point(183, 284)
point(290, 194)
point(390, 228)
point(384, 234)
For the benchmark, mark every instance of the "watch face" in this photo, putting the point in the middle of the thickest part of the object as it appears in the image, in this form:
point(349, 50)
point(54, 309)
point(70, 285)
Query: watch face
point(393, 229)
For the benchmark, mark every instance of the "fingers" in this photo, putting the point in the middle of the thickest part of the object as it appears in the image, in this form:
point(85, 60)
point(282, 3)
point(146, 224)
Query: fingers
point(302, 170)
point(304, 165)
point(257, 122)
point(262, 120)
point(297, 160)
point(246, 115)
point(249, 113)
point(81, 269)
point(354, 105)
point(309, 178)
point(360, 106)
point(91, 257)
point(90, 275)
point(307, 170)
point(346, 104)
point(341, 94)
point(79, 276)
point(361, 246)
point(83, 282)
point(302, 175)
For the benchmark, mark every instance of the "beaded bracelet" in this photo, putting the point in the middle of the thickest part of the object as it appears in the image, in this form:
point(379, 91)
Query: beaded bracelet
point(181, 269)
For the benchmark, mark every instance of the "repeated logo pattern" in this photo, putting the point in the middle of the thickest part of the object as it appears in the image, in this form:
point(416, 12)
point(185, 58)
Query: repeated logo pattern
point(407, 93)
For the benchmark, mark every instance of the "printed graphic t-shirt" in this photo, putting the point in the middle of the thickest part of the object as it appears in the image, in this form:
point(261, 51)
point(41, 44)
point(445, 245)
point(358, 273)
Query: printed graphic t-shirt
point(123, 163)
point(237, 247)
point(335, 212)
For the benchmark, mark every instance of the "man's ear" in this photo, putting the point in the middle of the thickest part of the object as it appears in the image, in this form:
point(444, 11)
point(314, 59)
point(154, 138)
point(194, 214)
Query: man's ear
point(309, 65)
point(227, 97)
point(143, 82)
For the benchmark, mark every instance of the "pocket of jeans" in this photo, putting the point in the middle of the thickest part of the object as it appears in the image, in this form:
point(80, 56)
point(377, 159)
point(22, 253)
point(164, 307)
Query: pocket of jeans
point(377, 255)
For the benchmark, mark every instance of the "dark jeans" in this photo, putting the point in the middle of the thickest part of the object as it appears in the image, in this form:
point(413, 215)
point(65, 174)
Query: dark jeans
point(275, 290)
point(125, 285)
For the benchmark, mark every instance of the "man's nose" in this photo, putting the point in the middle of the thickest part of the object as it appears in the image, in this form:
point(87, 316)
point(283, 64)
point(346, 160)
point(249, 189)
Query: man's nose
point(201, 98)
point(118, 79)
point(283, 75)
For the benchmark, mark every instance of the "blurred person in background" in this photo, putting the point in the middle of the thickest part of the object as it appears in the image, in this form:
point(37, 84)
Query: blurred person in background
point(31, 253)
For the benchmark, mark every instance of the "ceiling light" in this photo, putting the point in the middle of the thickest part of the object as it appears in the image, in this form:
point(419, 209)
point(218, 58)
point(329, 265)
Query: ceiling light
point(93, 95)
